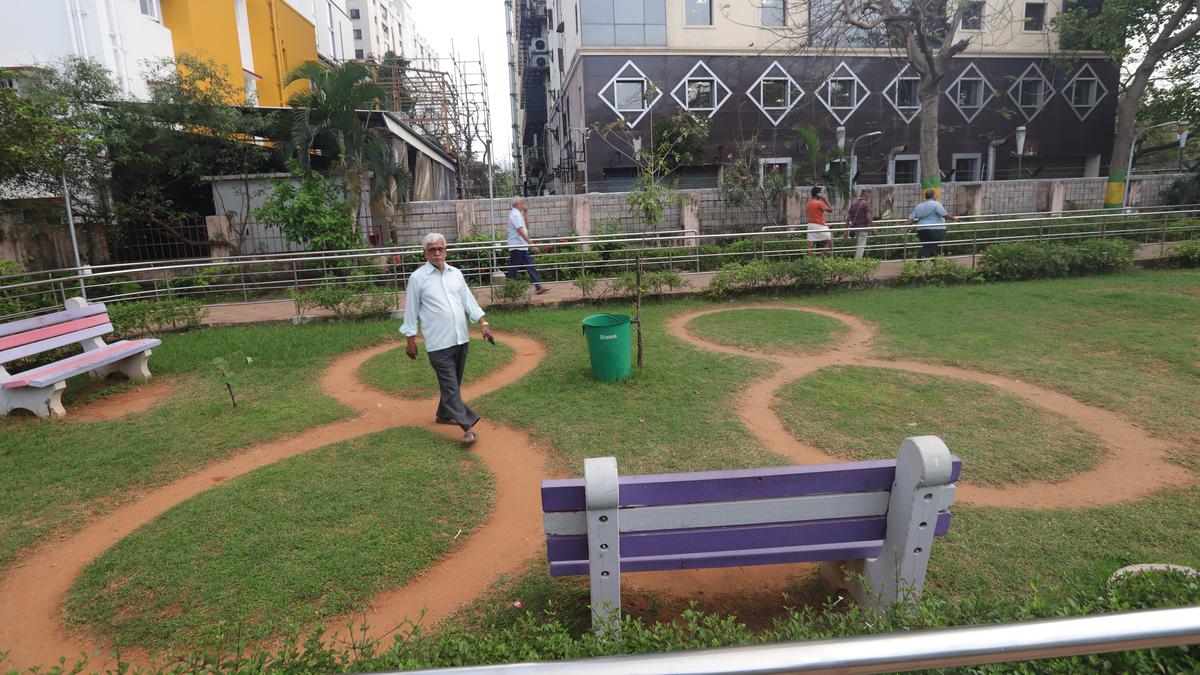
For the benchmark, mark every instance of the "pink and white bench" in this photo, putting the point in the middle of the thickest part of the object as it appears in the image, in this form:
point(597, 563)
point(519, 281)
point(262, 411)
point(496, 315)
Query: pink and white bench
point(874, 519)
point(39, 390)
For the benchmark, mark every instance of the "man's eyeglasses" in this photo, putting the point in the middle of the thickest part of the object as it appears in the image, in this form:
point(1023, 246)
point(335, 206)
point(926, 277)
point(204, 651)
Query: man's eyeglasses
point(436, 249)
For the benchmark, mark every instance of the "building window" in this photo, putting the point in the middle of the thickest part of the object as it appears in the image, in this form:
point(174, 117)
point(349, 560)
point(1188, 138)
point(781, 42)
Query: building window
point(631, 95)
point(701, 90)
point(151, 9)
point(842, 92)
point(1035, 16)
point(970, 92)
point(697, 12)
point(781, 166)
point(385, 29)
point(904, 93)
point(1084, 92)
point(357, 33)
point(775, 92)
point(904, 169)
point(773, 12)
point(1031, 91)
point(967, 167)
point(358, 54)
point(354, 14)
point(8, 83)
point(972, 18)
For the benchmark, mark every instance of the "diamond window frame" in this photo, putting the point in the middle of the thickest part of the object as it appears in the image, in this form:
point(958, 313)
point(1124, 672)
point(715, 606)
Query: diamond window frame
point(987, 94)
point(1014, 92)
point(623, 76)
point(1068, 92)
point(775, 114)
point(721, 92)
point(823, 94)
point(891, 94)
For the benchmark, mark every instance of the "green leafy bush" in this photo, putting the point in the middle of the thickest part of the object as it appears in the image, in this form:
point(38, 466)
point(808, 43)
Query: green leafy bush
point(587, 284)
point(144, 317)
point(315, 213)
point(1042, 260)
point(807, 272)
point(346, 302)
point(512, 291)
point(937, 271)
point(1186, 254)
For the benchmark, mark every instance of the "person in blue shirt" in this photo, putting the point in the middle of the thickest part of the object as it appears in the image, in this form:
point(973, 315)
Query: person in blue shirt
point(930, 218)
point(518, 245)
point(438, 301)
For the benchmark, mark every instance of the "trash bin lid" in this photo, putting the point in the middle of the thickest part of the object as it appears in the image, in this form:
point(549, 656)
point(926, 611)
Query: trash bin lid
point(606, 320)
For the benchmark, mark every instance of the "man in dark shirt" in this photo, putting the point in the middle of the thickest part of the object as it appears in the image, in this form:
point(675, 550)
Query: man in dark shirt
point(858, 219)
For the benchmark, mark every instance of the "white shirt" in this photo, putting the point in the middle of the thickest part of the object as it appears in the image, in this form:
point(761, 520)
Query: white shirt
point(516, 223)
point(439, 300)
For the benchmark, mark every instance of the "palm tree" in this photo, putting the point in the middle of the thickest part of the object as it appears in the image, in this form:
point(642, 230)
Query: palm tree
point(327, 115)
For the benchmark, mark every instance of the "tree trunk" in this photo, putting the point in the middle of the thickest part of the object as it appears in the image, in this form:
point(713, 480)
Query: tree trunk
point(1114, 194)
point(931, 171)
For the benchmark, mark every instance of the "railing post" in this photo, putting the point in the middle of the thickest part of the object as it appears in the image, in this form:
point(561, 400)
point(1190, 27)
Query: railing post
point(242, 278)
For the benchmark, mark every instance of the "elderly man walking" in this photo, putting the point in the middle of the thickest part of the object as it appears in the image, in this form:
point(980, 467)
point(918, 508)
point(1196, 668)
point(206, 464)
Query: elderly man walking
point(437, 298)
point(518, 245)
point(930, 217)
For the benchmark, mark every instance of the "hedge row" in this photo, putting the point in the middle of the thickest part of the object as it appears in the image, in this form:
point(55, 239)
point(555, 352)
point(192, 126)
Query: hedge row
point(807, 272)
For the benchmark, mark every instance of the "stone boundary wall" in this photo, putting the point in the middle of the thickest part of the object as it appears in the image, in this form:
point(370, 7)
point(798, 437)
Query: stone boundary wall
point(705, 211)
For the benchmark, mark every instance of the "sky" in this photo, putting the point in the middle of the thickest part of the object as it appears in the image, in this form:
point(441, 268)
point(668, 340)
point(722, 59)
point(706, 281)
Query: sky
point(472, 26)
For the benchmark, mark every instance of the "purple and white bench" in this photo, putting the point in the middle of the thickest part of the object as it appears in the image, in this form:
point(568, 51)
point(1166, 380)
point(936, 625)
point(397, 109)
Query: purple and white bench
point(874, 519)
point(39, 390)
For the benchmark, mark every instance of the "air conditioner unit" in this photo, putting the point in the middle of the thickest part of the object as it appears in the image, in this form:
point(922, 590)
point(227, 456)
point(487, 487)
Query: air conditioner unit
point(539, 45)
point(540, 61)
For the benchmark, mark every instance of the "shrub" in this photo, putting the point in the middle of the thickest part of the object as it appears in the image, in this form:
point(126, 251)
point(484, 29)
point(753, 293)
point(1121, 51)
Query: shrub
point(807, 272)
point(143, 317)
point(937, 271)
point(345, 302)
point(586, 284)
point(1041, 260)
point(659, 281)
point(1186, 254)
point(513, 291)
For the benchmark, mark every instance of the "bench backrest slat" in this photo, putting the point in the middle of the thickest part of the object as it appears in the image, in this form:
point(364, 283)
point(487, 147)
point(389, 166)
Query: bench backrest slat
point(47, 332)
point(856, 550)
point(726, 514)
point(51, 319)
point(803, 533)
point(54, 342)
point(719, 486)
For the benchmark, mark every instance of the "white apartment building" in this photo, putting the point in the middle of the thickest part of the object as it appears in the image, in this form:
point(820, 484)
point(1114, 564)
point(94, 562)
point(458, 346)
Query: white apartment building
point(335, 31)
point(381, 26)
point(118, 34)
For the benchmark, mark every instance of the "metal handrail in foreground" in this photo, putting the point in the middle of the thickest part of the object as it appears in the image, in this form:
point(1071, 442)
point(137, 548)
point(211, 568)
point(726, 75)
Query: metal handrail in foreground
point(966, 646)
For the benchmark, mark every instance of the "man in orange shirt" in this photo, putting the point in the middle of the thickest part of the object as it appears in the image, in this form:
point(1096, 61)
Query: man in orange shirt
point(818, 231)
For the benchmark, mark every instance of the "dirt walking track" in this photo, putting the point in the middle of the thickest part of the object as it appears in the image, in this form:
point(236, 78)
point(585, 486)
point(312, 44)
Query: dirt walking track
point(33, 590)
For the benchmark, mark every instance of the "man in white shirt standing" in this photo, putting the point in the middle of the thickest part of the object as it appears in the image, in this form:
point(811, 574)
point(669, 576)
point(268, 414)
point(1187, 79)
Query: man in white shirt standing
point(438, 299)
point(518, 245)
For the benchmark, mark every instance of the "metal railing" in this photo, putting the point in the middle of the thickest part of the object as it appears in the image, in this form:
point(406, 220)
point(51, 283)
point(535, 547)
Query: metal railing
point(944, 648)
point(260, 277)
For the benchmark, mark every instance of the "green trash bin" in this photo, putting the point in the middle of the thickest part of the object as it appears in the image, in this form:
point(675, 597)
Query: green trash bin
point(608, 345)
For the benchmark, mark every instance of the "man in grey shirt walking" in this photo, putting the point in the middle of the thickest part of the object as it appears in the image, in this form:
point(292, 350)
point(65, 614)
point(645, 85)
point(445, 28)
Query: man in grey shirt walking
point(930, 217)
point(518, 245)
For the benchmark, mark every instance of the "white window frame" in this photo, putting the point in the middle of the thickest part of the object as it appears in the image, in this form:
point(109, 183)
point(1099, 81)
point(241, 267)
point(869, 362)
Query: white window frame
point(987, 92)
point(976, 176)
point(774, 161)
point(891, 177)
point(775, 72)
point(1025, 17)
point(1047, 92)
point(701, 71)
point(629, 73)
point(358, 34)
point(641, 96)
point(787, 91)
point(1085, 73)
point(858, 92)
point(783, 8)
point(355, 15)
point(712, 91)
point(711, 14)
point(891, 94)
point(150, 9)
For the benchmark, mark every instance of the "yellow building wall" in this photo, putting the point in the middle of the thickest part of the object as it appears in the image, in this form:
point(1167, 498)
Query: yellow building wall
point(206, 29)
point(281, 39)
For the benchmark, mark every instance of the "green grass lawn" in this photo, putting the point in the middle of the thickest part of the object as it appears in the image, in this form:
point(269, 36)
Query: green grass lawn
point(395, 373)
point(304, 540)
point(862, 413)
point(768, 329)
point(1127, 343)
point(54, 475)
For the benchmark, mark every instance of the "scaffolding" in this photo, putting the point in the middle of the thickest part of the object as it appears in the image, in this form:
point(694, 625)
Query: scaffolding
point(449, 105)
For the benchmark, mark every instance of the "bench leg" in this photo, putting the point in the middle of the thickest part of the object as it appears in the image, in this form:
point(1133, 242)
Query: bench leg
point(922, 488)
point(41, 401)
point(604, 542)
point(135, 367)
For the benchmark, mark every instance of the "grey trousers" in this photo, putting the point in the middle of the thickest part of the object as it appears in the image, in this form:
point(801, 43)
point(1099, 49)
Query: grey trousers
point(449, 364)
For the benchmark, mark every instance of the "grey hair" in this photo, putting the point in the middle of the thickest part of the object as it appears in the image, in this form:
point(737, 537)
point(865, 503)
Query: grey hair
point(432, 237)
point(858, 190)
point(518, 200)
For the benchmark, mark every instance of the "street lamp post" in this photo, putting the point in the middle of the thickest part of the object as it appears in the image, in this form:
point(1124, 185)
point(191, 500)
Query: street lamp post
point(853, 159)
point(1020, 151)
point(1183, 128)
